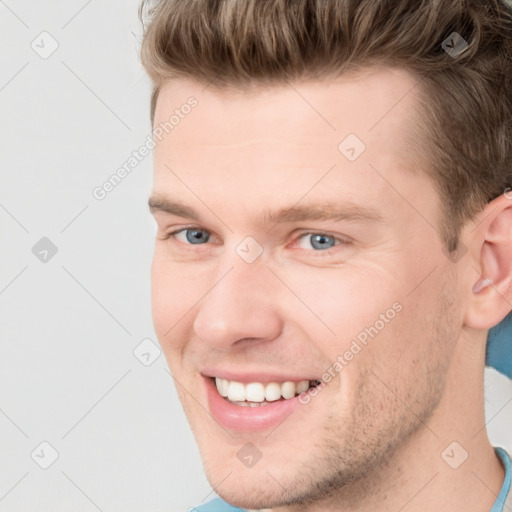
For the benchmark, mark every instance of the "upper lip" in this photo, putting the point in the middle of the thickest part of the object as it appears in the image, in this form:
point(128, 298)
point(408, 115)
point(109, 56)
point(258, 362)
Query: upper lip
point(254, 376)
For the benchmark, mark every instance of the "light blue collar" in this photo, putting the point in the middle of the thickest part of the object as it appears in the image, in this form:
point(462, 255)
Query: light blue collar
point(217, 505)
point(505, 488)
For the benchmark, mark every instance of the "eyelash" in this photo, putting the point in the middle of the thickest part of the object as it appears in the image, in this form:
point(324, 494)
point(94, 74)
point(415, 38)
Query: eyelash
point(172, 233)
point(340, 242)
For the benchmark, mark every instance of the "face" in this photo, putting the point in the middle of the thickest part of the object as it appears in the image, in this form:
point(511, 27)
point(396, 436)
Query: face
point(301, 272)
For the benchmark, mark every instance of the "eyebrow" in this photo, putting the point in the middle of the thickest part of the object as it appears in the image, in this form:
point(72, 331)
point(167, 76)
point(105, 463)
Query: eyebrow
point(331, 211)
point(337, 211)
point(158, 203)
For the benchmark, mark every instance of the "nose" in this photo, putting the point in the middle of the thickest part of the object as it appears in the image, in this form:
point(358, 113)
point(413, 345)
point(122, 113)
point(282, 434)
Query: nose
point(239, 306)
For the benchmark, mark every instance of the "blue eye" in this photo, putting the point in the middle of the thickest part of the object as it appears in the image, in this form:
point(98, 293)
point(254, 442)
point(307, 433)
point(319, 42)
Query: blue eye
point(317, 241)
point(193, 236)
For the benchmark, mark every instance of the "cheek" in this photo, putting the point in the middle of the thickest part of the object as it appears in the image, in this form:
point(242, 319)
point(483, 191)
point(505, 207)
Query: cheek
point(344, 305)
point(173, 295)
point(412, 352)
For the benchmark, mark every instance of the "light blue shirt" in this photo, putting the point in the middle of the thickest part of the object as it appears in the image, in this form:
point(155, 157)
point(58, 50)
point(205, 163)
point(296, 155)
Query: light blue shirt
point(218, 505)
point(499, 347)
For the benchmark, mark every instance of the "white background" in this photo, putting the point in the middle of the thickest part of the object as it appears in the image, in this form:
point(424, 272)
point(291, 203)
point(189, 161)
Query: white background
point(69, 325)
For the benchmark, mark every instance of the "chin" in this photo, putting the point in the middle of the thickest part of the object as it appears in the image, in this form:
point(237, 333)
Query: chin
point(248, 488)
point(251, 494)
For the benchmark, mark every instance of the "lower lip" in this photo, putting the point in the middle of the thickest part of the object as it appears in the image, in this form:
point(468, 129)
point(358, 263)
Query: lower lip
point(246, 418)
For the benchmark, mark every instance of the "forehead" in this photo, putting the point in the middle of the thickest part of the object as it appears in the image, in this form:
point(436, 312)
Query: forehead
point(359, 101)
point(283, 140)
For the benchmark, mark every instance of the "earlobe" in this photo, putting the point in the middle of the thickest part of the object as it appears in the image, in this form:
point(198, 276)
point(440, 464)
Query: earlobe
point(481, 284)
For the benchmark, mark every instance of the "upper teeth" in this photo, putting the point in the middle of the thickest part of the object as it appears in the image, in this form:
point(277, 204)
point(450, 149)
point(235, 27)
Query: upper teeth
point(258, 392)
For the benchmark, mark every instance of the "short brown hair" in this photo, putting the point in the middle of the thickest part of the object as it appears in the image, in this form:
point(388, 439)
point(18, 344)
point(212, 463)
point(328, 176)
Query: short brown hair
point(466, 102)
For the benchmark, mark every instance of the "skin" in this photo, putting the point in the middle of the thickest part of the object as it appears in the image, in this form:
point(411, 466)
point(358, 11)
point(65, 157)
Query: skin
point(372, 438)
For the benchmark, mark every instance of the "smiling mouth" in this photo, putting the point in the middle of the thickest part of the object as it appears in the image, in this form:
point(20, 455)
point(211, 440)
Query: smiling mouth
point(256, 394)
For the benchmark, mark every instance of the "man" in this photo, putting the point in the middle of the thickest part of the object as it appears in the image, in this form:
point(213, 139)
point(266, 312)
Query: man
point(332, 193)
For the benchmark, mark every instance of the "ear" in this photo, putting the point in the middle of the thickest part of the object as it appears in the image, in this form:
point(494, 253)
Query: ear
point(489, 240)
